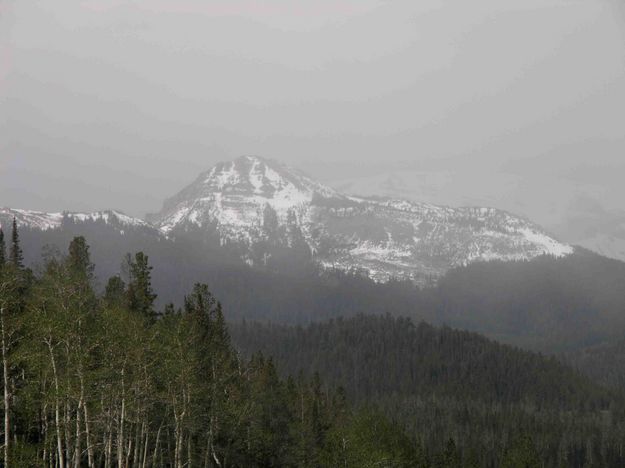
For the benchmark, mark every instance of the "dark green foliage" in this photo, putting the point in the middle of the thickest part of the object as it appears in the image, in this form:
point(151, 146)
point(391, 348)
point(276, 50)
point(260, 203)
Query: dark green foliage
point(548, 304)
point(3, 250)
point(141, 297)
point(79, 259)
point(466, 397)
point(450, 457)
point(372, 356)
point(115, 292)
point(15, 255)
point(369, 440)
point(522, 454)
point(96, 384)
point(112, 383)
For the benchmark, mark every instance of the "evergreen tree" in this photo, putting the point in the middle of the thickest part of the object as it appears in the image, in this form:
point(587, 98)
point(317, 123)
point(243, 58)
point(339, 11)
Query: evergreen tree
point(2, 249)
point(113, 389)
point(16, 255)
point(115, 292)
point(79, 259)
point(141, 297)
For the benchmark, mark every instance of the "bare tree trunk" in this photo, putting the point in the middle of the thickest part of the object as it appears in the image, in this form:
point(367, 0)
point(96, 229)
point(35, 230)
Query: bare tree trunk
point(7, 394)
point(138, 439)
point(44, 432)
point(120, 435)
point(128, 451)
point(90, 460)
point(212, 445)
point(77, 451)
point(69, 450)
point(207, 452)
point(177, 463)
point(158, 438)
point(178, 431)
point(144, 457)
point(57, 409)
point(108, 457)
point(189, 458)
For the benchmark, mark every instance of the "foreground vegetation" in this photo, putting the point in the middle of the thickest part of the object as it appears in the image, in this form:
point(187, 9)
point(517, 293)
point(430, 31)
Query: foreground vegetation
point(107, 380)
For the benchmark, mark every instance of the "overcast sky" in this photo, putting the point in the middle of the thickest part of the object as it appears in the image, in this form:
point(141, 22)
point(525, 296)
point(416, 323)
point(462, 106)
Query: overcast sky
point(109, 103)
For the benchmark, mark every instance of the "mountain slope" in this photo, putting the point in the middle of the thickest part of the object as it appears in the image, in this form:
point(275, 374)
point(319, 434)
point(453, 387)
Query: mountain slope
point(269, 215)
point(403, 358)
point(547, 304)
point(260, 206)
point(587, 213)
point(52, 221)
point(441, 383)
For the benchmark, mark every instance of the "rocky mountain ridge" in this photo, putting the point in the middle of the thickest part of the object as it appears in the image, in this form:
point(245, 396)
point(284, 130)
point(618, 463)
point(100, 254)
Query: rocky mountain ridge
point(263, 210)
point(262, 206)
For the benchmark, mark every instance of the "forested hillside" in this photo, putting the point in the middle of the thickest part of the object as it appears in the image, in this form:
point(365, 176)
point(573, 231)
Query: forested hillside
point(444, 383)
point(550, 304)
point(104, 379)
point(107, 380)
point(547, 304)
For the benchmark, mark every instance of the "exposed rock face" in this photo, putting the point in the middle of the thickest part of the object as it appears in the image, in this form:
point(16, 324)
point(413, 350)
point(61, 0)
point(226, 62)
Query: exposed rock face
point(257, 204)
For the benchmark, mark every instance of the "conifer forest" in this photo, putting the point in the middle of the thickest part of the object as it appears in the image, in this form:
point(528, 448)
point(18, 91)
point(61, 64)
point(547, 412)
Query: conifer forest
point(108, 380)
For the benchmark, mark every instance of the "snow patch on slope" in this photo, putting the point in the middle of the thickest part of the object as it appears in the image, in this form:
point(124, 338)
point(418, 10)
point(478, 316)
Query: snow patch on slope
point(255, 202)
point(49, 221)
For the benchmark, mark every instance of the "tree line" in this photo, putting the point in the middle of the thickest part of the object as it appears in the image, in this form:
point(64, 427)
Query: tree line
point(106, 377)
point(107, 380)
point(443, 384)
point(553, 305)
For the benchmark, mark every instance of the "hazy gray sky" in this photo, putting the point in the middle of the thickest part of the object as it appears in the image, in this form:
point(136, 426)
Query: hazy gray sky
point(110, 103)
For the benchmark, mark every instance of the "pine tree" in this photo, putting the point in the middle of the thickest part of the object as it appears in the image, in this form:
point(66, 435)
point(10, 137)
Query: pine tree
point(2, 249)
point(141, 297)
point(115, 291)
point(16, 255)
point(79, 259)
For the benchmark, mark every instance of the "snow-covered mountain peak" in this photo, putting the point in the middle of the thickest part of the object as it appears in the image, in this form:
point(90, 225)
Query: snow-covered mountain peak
point(29, 218)
point(262, 210)
point(236, 193)
point(253, 175)
point(263, 207)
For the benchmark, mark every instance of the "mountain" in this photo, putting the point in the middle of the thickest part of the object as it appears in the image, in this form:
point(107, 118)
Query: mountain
point(268, 215)
point(585, 211)
point(55, 221)
point(548, 304)
point(260, 208)
point(111, 234)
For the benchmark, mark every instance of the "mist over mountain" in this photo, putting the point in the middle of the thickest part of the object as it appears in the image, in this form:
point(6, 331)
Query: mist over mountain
point(265, 211)
point(312, 234)
point(577, 200)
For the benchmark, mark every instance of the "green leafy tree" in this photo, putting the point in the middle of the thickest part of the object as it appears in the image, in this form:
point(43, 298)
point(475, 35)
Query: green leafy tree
point(522, 454)
point(369, 439)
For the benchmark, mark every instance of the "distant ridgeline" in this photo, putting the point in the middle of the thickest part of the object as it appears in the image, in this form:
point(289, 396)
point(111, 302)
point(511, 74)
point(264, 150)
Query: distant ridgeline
point(261, 213)
point(109, 378)
point(552, 304)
